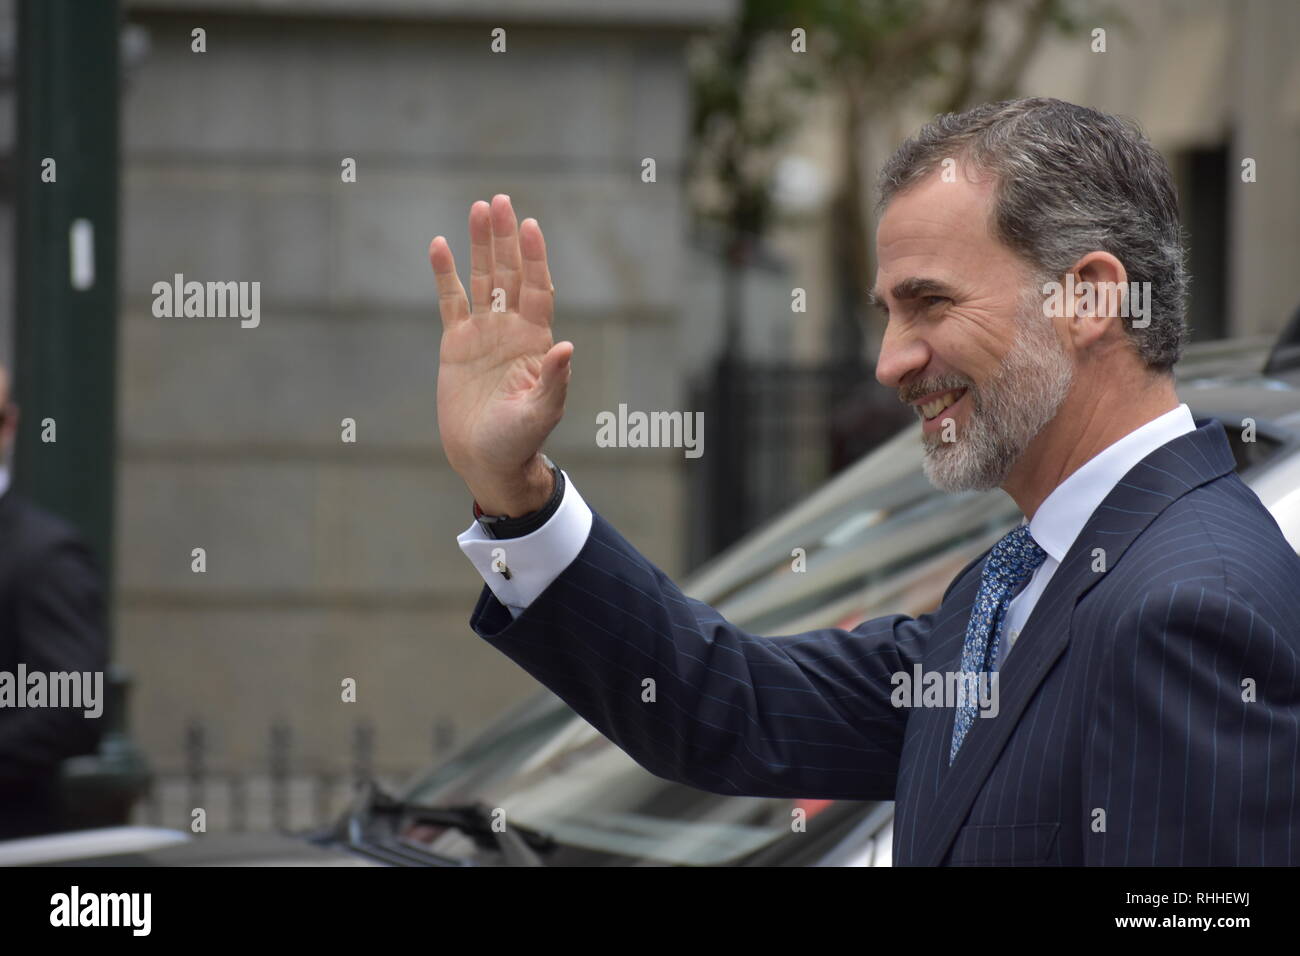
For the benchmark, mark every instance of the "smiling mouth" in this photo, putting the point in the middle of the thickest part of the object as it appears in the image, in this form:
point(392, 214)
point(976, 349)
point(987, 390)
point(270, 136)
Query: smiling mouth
point(932, 409)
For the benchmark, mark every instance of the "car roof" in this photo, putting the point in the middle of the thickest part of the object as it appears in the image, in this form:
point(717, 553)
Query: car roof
point(1225, 379)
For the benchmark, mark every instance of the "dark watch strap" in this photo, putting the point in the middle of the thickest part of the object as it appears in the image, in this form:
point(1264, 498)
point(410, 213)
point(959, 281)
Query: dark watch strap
point(504, 526)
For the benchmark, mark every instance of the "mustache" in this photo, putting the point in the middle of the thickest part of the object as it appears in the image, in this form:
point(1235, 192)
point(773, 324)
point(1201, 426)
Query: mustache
point(910, 393)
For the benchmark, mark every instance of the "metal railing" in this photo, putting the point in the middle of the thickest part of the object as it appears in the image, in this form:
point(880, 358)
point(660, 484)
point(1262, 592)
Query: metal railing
point(777, 431)
point(287, 792)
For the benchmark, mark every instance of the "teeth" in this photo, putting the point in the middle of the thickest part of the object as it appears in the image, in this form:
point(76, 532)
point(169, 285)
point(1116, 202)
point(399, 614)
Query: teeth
point(930, 409)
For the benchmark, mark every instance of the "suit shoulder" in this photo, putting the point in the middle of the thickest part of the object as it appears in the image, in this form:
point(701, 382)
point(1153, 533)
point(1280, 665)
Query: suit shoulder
point(30, 532)
point(1220, 537)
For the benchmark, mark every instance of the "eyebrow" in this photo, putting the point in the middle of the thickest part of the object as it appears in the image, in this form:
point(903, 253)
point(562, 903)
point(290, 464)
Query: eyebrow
point(913, 287)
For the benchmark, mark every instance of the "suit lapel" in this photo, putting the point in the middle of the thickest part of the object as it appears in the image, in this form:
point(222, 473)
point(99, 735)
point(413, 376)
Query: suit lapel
point(1146, 490)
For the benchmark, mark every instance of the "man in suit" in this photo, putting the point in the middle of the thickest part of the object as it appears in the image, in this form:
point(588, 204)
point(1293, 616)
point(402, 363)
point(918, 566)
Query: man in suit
point(1140, 630)
point(51, 621)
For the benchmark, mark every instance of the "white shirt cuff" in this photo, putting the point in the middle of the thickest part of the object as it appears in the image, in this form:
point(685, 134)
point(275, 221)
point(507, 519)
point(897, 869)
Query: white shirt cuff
point(534, 560)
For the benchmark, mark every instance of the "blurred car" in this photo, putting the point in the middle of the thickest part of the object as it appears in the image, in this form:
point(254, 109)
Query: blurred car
point(878, 539)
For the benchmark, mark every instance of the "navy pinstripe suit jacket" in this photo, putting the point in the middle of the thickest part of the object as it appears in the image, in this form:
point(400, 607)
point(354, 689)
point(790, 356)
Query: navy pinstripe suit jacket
point(1149, 715)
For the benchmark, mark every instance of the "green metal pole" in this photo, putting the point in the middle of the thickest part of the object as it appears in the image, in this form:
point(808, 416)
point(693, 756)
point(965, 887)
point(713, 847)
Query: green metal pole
point(65, 374)
point(65, 378)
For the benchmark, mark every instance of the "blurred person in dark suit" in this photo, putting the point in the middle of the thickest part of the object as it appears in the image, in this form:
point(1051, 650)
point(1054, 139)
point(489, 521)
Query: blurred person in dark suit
point(51, 620)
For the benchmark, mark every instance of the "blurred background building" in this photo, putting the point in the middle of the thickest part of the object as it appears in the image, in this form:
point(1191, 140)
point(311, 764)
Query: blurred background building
point(328, 560)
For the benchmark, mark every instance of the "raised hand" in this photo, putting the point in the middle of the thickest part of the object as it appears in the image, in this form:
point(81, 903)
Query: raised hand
point(501, 380)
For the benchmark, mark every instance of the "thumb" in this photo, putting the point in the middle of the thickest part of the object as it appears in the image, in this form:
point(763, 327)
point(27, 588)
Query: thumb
point(556, 369)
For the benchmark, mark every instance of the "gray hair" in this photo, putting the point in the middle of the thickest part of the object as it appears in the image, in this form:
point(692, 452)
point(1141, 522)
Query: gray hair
point(1069, 180)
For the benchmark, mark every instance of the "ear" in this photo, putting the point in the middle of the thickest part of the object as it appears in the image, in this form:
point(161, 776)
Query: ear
point(1099, 300)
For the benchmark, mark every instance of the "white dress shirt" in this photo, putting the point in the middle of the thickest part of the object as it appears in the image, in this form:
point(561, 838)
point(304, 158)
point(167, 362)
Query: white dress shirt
point(1064, 512)
point(537, 559)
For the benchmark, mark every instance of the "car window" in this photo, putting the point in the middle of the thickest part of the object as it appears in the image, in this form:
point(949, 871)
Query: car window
point(878, 539)
point(564, 778)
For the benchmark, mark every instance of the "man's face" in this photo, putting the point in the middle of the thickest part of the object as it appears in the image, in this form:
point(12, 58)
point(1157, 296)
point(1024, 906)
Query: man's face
point(965, 323)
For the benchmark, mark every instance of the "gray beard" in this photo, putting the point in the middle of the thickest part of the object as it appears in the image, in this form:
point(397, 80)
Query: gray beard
point(1007, 412)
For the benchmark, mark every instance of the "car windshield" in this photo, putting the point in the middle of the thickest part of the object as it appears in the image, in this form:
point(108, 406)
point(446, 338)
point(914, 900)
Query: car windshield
point(878, 538)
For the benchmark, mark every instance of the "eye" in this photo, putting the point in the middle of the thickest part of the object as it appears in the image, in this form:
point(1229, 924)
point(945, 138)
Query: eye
point(932, 300)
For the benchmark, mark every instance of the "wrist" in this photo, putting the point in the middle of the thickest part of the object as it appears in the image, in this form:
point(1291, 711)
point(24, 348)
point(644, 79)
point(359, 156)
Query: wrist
point(524, 494)
point(519, 526)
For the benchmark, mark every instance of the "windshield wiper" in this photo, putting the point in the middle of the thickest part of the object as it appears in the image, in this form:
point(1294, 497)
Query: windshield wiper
point(519, 845)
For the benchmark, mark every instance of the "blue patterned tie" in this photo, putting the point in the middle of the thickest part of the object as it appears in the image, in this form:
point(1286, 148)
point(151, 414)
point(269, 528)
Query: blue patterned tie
point(1009, 565)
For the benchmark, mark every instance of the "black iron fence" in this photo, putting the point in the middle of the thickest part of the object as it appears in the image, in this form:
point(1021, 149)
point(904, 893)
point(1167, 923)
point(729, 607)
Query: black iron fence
point(775, 431)
point(290, 791)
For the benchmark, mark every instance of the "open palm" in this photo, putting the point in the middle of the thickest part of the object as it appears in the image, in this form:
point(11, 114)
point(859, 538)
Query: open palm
point(501, 380)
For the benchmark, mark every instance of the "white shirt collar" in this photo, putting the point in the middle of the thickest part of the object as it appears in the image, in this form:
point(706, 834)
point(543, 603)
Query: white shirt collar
point(4, 480)
point(1064, 512)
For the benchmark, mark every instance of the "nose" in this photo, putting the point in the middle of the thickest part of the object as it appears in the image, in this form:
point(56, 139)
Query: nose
point(901, 356)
